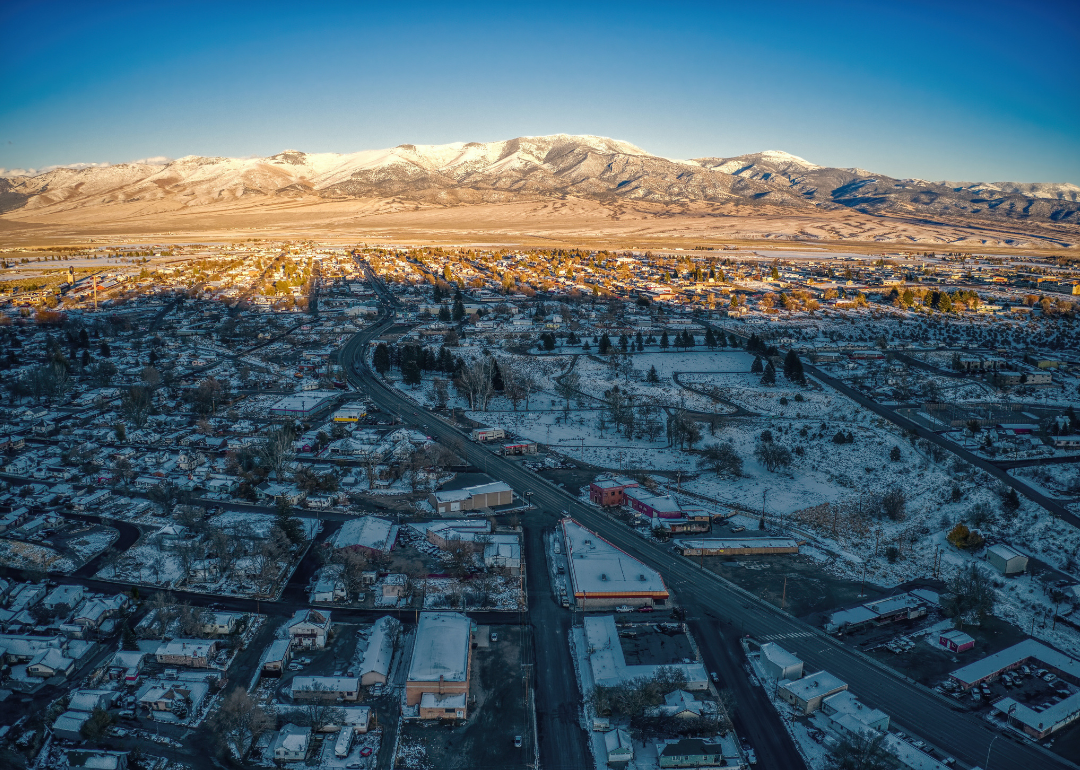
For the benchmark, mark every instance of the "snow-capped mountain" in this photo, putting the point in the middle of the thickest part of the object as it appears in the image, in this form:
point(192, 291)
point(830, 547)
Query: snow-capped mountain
point(589, 167)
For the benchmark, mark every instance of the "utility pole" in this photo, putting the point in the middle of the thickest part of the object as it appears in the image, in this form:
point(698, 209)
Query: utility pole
point(783, 597)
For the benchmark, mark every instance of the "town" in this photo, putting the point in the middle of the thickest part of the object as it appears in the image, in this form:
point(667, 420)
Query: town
point(290, 503)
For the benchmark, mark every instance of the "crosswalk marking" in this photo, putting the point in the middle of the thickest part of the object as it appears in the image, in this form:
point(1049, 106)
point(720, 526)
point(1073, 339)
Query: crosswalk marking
point(792, 635)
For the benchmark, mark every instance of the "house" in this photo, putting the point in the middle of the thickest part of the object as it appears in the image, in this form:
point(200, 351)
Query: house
point(472, 498)
point(164, 698)
point(691, 752)
point(309, 629)
point(69, 596)
point(619, 747)
point(68, 726)
point(88, 700)
point(195, 653)
point(806, 694)
point(1006, 560)
point(680, 704)
point(220, 623)
point(50, 662)
point(277, 655)
point(95, 611)
point(441, 661)
point(370, 534)
point(610, 491)
point(329, 586)
point(780, 664)
point(326, 688)
point(956, 641)
point(96, 759)
point(291, 743)
point(375, 668)
point(127, 666)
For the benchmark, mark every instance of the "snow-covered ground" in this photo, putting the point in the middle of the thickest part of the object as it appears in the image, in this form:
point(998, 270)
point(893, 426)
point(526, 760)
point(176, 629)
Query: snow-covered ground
point(22, 555)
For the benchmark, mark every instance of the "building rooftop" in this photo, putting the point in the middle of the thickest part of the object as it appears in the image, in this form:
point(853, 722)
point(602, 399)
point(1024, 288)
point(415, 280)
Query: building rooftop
point(1029, 648)
point(608, 663)
point(441, 649)
point(814, 685)
point(598, 567)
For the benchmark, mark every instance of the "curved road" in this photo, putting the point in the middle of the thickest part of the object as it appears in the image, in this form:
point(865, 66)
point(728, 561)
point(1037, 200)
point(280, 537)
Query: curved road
point(712, 603)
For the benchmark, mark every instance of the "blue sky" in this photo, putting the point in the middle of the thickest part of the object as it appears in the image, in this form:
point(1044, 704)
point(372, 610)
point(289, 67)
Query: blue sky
point(959, 91)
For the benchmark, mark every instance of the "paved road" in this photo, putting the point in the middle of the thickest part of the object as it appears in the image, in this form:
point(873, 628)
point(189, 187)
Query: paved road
point(1054, 506)
point(913, 707)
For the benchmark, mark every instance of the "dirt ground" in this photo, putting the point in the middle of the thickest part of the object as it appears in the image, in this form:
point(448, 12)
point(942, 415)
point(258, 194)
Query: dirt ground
point(797, 583)
point(497, 711)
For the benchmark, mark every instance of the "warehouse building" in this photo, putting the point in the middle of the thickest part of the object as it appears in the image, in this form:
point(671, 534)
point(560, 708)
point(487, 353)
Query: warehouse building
point(1006, 560)
point(608, 661)
point(303, 405)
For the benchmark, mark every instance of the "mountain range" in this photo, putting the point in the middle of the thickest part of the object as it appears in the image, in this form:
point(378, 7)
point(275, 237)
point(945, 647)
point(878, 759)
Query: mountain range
point(603, 171)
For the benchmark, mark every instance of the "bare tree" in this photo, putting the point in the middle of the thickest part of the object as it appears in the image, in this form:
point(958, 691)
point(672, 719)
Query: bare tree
point(136, 404)
point(240, 721)
point(277, 450)
point(476, 377)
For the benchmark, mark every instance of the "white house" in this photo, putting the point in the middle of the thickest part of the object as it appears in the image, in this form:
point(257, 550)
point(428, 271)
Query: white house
point(309, 629)
point(291, 743)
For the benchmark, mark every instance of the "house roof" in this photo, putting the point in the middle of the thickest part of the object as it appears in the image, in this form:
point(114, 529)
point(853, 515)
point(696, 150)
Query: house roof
point(380, 650)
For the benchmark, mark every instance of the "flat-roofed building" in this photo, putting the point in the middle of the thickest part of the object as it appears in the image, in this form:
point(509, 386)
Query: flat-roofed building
point(472, 498)
point(806, 694)
point(304, 404)
point(610, 491)
point(604, 577)
point(779, 664)
point(441, 662)
point(736, 546)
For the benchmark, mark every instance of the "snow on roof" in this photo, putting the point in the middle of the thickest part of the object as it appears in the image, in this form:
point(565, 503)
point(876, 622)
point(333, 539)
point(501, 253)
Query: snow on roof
point(1029, 648)
point(480, 489)
point(441, 648)
point(779, 656)
point(709, 543)
point(910, 756)
point(1005, 552)
point(814, 685)
point(609, 665)
point(327, 684)
point(846, 703)
point(430, 700)
point(1041, 720)
point(380, 649)
point(596, 566)
point(367, 532)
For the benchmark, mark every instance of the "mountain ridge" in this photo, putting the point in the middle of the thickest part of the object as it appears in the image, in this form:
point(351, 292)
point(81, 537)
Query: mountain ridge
point(558, 166)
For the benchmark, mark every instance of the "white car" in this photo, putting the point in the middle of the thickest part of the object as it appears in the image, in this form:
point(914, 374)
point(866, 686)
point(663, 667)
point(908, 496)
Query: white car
point(624, 608)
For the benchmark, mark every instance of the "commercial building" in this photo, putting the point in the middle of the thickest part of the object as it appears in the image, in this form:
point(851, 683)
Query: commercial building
point(610, 491)
point(905, 606)
point(603, 576)
point(992, 666)
point(1040, 724)
point(806, 694)
point(1006, 560)
point(441, 663)
point(780, 664)
point(736, 546)
point(956, 641)
point(472, 498)
point(303, 405)
point(608, 661)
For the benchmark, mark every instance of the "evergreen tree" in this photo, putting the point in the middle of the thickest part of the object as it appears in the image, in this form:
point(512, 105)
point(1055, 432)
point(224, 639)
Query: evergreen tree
point(496, 378)
point(624, 343)
point(665, 343)
point(444, 313)
point(289, 525)
point(381, 358)
point(549, 341)
point(130, 642)
point(757, 367)
point(710, 339)
point(653, 376)
point(436, 294)
point(410, 371)
point(104, 350)
point(769, 377)
point(605, 344)
point(639, 343)
point(458, 313)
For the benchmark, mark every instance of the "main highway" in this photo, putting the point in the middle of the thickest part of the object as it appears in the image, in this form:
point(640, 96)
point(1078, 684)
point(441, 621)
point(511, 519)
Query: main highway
point(718, 612)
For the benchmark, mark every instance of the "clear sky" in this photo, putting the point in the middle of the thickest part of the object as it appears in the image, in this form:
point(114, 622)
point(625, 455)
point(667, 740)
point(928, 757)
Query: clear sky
point(986, 91)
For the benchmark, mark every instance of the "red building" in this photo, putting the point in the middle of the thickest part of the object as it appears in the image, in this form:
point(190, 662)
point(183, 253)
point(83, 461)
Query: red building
point(610, 491)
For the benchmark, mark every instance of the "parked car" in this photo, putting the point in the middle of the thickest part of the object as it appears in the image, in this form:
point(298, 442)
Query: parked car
point(517, 741)
point(646, 608)
point(624, 608)
point(494, 636)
